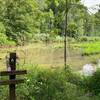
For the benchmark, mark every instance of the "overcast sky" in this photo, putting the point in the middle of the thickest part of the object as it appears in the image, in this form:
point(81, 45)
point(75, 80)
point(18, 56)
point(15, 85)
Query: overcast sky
point(91, 4)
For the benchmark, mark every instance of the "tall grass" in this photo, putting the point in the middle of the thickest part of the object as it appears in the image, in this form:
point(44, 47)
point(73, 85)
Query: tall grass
point(88, 48)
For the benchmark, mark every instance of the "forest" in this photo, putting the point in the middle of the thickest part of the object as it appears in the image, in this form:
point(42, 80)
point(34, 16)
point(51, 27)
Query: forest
point(57, 42)
point(24, 21)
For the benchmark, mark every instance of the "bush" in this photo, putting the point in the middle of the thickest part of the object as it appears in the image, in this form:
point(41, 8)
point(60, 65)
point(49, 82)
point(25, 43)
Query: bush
point(47, 84)
point(53, 85)
point(88, 39)
point(4, 40)
point(41, 37)
point(93, 83)
point(83, 39)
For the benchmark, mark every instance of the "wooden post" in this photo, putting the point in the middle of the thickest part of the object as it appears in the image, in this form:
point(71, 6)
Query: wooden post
point(12, 76)
point(65, 36)
point(12, 64)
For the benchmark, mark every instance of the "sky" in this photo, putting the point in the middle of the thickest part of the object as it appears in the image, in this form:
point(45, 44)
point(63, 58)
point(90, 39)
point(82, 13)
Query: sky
point(91, 4)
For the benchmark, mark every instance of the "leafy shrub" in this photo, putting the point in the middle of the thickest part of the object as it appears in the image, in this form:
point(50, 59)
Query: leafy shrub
point(47, 84)
point(72, 30)
point(4, 40)
point(41, 37)
point(53, 85)
point(83, 39)
point(88, 39)
point(3, 93)
point(93, 83)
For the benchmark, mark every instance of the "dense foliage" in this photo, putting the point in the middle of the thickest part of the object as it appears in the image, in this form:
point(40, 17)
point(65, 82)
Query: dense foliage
point(44, 84)
point(21, 20)
point(24, 21)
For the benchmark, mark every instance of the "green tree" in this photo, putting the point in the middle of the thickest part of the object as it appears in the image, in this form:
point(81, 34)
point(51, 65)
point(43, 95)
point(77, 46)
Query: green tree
point(75, 14)
point(97, 23)
point(19, 19)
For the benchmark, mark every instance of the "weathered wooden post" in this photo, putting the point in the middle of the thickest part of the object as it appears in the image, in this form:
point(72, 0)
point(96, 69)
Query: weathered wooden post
point(12, 76)
point(12, 64)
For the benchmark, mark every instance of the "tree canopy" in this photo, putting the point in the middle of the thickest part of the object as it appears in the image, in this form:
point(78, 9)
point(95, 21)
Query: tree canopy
point(20, 20)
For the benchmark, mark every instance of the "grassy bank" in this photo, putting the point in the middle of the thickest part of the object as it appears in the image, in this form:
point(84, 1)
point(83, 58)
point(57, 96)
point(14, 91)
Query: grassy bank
point(88, 48)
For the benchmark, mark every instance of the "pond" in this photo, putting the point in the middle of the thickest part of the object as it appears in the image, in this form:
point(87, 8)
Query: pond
point(51, 55)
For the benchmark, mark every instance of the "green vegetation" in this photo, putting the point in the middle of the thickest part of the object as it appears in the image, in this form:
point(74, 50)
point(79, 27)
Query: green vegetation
point(25, 21)
point(59, 84)
point(88, 48)
point(92, 83)
point(35, 30)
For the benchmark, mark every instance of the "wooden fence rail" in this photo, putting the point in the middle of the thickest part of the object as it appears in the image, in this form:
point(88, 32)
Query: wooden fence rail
point(12, 76)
